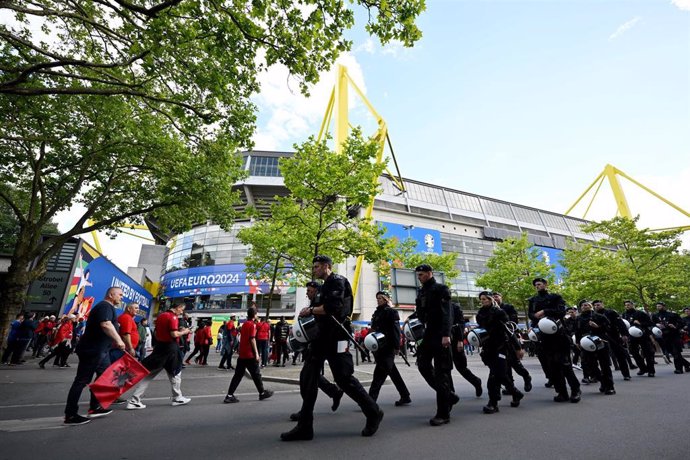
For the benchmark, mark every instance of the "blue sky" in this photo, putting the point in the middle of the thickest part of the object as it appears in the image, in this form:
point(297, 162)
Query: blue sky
point(527, 101)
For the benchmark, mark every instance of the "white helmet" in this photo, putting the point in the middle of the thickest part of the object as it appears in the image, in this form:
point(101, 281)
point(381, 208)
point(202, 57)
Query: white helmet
point(374, 340)
point(533, 334)
point(657, 332)
point(476, 336)
point(591, 343)
point(635, 331)
point(626, 322)
point(547, 326)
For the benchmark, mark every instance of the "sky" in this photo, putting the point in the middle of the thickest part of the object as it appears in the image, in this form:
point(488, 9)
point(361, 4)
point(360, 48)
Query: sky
point(524, 101)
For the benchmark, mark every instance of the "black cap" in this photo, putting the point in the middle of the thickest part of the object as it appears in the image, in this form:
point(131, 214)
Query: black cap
point(322, 259)
point(537, 280)
point(581, 302)
point(660, 303)
point(384, 293)
point(570, 309)
point(313, 284)
point(424, 268)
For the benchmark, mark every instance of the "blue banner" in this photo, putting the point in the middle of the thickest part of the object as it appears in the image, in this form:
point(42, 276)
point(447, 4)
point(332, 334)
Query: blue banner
point(428, 240)
point(553, 256)
point(93, 275)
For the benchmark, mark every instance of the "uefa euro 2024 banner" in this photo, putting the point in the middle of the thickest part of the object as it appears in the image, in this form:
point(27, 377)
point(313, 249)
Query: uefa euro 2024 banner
point(93, 276)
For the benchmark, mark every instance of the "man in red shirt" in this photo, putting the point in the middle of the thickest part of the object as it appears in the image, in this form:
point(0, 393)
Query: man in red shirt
point(248, 359)
point(61, 343)
point(128, 328)
point(263, 334)
point(165, 355)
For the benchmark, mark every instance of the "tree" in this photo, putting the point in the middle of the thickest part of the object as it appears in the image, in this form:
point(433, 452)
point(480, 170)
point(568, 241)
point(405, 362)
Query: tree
point(320, 215)
point(134, 109)
point(402, 254)
point(628, 263)
point(9, 228)
point(512, 268)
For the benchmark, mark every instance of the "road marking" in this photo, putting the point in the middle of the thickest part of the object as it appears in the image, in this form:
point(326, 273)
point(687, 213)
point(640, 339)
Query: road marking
point(32, 424)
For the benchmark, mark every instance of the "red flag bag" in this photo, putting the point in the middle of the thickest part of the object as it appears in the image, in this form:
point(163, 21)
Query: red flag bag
point(122, 375)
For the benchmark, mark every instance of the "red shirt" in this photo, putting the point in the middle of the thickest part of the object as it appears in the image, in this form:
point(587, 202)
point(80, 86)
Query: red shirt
point(230, 326)
point(264, 331)
point(165, 323)
point(247, 333)
point(63, 332)
point(128, 326)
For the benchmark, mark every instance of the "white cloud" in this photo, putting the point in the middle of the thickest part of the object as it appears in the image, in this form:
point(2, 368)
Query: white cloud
point(286, 115)
point(623, 28)
point(682, 4)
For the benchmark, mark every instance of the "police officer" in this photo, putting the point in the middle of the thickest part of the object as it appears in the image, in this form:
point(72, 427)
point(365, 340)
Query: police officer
point(330, 389)
point(514, 350)
point(458, 346)
point(570, 325)
point(641, 348)
point(386, 321)
point(331, 344)
point(595, 363)
point(614, 336)
point(671, 324)
point(494, 351)
point(434, 358)
point(554, 349)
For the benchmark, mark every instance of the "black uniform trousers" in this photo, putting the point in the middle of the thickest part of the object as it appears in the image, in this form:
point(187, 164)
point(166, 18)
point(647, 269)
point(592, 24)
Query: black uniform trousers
point(543, 358)
point(642, 351)
point(385, 366)
point(598, 365)
point(460, 361)
point(342, 369)
point(89, 364)
point(252, 366)
point(618, 350)
point(435, 363)
point(514, 364)
point(498, 375)
point(674, 346)
point(556, 350)
point(281, 351)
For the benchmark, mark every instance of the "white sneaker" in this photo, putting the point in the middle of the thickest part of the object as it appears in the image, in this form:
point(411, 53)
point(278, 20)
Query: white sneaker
point(135, 405)
point(181, 401)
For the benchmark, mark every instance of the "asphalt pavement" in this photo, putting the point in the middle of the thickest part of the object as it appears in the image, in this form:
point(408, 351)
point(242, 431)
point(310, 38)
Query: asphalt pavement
point(648, 418)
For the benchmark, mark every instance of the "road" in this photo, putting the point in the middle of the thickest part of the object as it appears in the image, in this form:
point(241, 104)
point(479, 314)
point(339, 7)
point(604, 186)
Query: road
point(646, 419)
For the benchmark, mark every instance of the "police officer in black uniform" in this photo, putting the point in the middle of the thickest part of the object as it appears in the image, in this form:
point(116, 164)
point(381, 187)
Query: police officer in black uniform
point(570, 324)
point(515, 353)
point(595, 363)
point(434, 358)
point(641, 348)
point(494, 352)
point(387, 321)
point(332, 344)
point(458, 347)
point(554, 348)
point(671, 324)
point(614, 337)
point(330, 389)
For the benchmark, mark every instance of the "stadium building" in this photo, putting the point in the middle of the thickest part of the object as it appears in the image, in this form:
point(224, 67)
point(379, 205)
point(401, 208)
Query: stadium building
point(204, 266)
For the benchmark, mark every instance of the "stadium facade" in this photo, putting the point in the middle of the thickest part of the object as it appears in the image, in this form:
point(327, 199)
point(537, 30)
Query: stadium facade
point(204, 266)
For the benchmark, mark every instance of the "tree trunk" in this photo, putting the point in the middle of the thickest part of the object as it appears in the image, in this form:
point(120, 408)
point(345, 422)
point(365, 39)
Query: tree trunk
point(14, 295)
point(273, 285)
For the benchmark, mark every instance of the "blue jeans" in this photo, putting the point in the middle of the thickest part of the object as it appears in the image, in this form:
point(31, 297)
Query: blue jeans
point(89, 364)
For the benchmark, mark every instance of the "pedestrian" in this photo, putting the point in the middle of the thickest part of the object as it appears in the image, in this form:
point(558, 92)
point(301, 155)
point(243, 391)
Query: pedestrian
point(671, 324)
point(93, 352)
point(263, 336)
point(166, 355)
point(458, 344)
point(44, 328)
point(248, 359)
point(129, 332)
point(494, 351)
point(199, 338)
point(554, 349)
point(281, 334)
point(226, 351)
point(614, 336)
point(641, 346)
point(206, 342)
point(434, 355)
point(144, 338)
point(595, 362)
point(386, 321)
point(61, 343)
point(514, 348)
point(12, 338)
point(332, 344)
point(25, 333)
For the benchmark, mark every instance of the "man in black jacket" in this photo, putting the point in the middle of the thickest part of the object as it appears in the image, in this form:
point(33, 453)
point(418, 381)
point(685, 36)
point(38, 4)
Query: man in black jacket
point(434, 358)
point(332, 344)
point(614, 336)
point(458, 347)
point(671, 324)
point(595, 363)
point(554, 349)
point(514, 349)
point(641, 348)
point(386, 321)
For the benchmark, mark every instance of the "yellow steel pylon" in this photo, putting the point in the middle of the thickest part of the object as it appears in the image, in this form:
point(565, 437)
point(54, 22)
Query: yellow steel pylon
point(338, 103)
point(612, 174)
